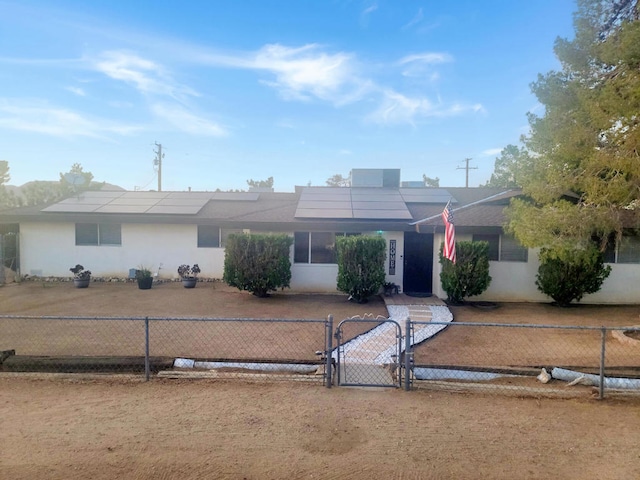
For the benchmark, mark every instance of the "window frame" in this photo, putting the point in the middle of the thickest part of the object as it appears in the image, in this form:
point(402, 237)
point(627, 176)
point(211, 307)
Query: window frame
point(303, 247)
point(628, 248)
point(499, 244)
point(206, 239)
point(103, 231)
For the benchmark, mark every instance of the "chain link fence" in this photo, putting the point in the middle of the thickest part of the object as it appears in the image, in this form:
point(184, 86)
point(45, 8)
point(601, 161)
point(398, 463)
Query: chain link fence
point(519, 359)
point(170, 347)
point(526, 359)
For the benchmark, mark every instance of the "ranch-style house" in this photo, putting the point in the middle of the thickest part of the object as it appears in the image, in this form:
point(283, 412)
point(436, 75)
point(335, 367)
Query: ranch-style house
point(113, 232)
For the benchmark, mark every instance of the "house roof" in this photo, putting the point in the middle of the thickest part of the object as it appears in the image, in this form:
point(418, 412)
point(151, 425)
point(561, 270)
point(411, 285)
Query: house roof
point(309, 208)
point(480, 207)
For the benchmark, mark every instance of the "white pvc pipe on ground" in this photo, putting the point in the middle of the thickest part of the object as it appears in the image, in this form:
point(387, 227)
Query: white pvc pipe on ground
point(609, 382)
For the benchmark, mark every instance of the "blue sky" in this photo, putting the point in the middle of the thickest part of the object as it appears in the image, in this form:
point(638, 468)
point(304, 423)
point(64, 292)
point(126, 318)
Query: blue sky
point(298, 90)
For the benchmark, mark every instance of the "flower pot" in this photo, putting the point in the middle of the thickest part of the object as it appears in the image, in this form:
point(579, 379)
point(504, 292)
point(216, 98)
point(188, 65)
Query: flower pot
point(145, 283)
point(81, 282)
point(189, 282)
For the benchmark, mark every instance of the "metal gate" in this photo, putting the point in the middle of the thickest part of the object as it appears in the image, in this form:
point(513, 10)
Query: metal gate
point(371, 359)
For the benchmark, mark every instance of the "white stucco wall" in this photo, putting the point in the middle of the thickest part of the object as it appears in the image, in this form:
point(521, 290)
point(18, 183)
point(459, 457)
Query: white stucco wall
point(515, 281)
point(315, 277)
point(49, 249)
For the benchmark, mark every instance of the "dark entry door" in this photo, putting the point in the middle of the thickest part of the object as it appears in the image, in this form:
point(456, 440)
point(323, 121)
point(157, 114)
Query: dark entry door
point(418, 263)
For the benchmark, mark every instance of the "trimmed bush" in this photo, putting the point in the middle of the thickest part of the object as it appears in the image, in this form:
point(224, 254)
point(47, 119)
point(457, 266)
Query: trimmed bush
point(258, 263)
point(360, 265)
point(469, 275)
point(568, 274)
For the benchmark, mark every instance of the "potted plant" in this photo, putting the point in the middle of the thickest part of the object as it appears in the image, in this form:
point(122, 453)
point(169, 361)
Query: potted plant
point(390, 288)
point(81, 277)
point(189, 275)
point(144, 278)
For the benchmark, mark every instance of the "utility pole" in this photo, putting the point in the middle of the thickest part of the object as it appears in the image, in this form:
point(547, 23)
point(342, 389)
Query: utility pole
point(467, 168)
point(158, 162)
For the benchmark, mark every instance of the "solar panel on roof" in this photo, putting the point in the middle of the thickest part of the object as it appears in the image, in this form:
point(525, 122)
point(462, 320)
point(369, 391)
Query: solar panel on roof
point(128, 201)
point(123, 209)
point(145, 202)
point(320, 213)
point(426, 195)
point(175, 209)
point(357, 203)
point(379, 205)
point(382, 214)
point(76, 208)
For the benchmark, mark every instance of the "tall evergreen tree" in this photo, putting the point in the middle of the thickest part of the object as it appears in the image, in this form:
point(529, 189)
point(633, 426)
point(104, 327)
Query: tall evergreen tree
point(583, 177)
point(509, 167)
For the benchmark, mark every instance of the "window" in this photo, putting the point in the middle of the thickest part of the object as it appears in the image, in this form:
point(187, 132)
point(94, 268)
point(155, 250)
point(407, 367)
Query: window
point(629, 249)
point(494, 245)
point(512, 251)
point(208, 236)
point(316, 247)
point(225, 232)
point(503, 248)
point(626, 250)
point(211, 236)
point(98, 234)
point(323, 247)
point(301, 247)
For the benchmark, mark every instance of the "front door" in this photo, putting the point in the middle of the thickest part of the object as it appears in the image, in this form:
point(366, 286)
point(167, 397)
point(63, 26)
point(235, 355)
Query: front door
point(418, 263)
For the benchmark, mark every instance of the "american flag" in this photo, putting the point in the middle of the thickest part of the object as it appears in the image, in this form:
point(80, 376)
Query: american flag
point(449, 250)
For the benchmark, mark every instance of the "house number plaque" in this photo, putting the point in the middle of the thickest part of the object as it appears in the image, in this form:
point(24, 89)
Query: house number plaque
point(392, 257)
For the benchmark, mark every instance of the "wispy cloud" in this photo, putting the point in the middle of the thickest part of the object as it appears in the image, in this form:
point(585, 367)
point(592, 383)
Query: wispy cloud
point(415, 20)
point(370, 9)
point(302, 73)
point(186, 121)
point(306, 71)
point(397, 108)
point(58, 122)
point(421, 64)
point(145, 75)
point(77, 91)
point(366, 14)
point(426, 58)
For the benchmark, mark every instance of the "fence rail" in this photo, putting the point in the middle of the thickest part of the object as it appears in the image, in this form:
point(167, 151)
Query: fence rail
point(489, 357)
point(528, 357)
point(225, 347)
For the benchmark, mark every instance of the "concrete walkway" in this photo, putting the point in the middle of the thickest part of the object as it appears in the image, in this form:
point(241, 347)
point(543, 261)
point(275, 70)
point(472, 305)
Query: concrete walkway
point(370, 358)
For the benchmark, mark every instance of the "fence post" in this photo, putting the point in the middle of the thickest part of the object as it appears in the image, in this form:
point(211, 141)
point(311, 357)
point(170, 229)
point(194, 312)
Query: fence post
point(329, 350)
point(602, 356)
point(146, 349)
point(408, 354)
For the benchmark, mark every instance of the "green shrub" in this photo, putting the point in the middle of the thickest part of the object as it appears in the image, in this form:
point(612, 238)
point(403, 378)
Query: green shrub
point(469, 275)
point(258, 263)
point(568, 274)
point(360, 265)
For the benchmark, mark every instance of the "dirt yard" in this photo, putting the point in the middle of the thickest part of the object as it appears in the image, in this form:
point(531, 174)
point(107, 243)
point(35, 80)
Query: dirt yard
point(208, 299)
point(76, 427)
point(529, 347)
